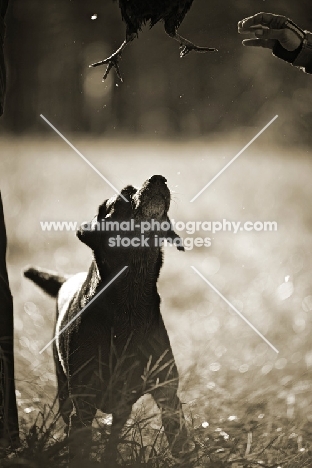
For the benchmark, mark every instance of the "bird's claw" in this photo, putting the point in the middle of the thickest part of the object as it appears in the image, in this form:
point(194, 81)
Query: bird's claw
point(111, 62)
point(184, 50)
point(187, 48)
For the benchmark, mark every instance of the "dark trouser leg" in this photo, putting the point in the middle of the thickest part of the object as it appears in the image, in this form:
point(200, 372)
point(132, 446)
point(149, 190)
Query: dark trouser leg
point(8, 410)
point(3, 8)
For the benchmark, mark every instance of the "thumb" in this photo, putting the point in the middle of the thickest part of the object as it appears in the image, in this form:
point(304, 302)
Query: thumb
point(265, 43)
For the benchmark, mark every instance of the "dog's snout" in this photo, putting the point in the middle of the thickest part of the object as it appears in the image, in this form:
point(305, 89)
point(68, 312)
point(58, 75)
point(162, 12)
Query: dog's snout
point(157, 179)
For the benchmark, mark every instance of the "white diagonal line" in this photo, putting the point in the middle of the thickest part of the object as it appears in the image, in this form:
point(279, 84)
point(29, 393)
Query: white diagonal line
point(82, 310)
point(235, 310)
point(82, 156)
point(235, 157)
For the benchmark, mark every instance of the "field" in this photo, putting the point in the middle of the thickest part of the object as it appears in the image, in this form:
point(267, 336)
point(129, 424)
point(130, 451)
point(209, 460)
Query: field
point(246, 404)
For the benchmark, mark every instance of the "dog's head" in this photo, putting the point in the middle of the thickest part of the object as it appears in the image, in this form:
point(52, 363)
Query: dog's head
point(131, 224)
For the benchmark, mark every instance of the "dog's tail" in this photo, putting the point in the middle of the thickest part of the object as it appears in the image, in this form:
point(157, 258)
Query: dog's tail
point(47, 280)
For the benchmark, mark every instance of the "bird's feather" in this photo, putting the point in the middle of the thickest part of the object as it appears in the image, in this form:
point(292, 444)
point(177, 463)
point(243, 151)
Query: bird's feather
point(136, 13)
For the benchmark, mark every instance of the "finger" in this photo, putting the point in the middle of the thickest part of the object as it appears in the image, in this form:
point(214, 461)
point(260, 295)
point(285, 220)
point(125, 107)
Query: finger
point(265, 43)
point(278, 34)
point(265, 19)
point(288, 39)
point(258, 19)
point(249, 30)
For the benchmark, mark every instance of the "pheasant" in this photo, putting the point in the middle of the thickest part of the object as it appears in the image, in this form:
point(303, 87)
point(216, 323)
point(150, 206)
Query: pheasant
point(136, 13)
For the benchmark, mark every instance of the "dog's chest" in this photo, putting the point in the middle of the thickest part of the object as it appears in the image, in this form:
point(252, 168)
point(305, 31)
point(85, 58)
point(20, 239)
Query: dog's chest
point(119, 317)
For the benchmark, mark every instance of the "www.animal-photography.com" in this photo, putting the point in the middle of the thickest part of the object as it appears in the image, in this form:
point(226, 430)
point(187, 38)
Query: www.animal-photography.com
point(155, 234)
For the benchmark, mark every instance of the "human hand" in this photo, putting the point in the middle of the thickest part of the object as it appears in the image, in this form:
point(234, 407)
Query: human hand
point(269, 29)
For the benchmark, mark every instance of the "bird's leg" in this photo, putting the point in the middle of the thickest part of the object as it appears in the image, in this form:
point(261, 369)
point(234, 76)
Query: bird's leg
point(113, 60)
point(187, 46)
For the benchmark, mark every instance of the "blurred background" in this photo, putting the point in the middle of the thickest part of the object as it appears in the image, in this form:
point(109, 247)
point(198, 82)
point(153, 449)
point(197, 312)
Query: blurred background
point(51, 43)
point(184, 119)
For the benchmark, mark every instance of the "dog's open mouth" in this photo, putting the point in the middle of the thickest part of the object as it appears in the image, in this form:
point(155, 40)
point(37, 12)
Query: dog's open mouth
point(152, 201)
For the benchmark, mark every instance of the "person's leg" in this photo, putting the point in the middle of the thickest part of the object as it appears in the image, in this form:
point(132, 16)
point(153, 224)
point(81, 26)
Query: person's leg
point(8, 409)
point(3, 9)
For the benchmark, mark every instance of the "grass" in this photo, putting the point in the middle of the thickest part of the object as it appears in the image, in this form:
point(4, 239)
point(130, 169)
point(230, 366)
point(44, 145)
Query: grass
point(246, 406)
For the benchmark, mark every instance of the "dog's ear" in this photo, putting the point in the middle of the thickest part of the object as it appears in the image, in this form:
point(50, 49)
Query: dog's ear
point(87, 234)
point(174, 238)
point(129, 191)
point(102, 210)
point(177, 241)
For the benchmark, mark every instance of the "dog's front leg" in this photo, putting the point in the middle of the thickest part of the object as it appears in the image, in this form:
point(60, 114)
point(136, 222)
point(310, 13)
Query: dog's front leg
point(80, 428)
point(172, 417)
point(120, 417)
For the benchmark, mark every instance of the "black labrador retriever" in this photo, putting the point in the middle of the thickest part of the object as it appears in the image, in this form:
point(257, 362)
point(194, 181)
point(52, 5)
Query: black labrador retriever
point(118, 348)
